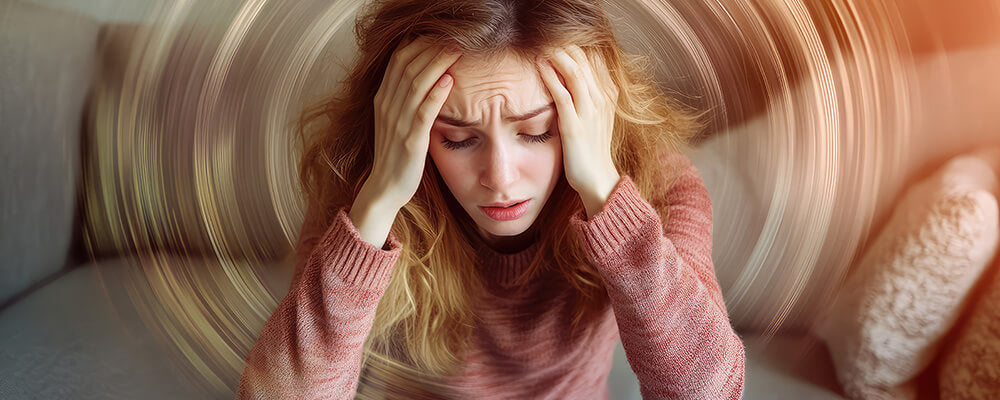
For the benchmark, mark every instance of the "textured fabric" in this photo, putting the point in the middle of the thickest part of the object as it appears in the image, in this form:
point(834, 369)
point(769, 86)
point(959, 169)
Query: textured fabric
point(46, 62)
point(665, 306)
point(971, 370)
point(73, 339)
point(885, 326)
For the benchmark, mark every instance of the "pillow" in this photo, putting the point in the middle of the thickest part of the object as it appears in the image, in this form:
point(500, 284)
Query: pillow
point(887, 320)
point(970, 370)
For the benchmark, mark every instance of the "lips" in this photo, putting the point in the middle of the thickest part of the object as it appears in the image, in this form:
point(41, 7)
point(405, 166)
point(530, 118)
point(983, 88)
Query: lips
point(507, 204)
point(500, 213)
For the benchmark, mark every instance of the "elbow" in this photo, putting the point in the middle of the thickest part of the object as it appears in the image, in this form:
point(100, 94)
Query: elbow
point(733, 389)
point(246, 391)
point(254, 382)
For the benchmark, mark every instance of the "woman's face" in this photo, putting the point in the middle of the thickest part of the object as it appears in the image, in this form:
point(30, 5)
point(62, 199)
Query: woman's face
point(490, 145)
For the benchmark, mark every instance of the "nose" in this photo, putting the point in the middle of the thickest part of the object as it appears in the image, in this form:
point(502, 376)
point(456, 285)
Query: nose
point(501, 169)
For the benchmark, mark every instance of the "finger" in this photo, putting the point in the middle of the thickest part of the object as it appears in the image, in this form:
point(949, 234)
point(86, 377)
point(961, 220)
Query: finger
point(572, 73)
point(429, 73)
point(607, 82)
point(413, 52)
point(589, 77)
point(431, 106)
point(560, 95)
point(409, 75)
point(400, 58)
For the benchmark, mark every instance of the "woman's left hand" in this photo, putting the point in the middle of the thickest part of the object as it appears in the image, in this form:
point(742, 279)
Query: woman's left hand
point(586, 112)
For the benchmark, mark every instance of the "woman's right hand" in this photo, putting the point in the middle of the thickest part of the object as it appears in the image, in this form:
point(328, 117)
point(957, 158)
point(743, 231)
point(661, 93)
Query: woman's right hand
point(411, 95)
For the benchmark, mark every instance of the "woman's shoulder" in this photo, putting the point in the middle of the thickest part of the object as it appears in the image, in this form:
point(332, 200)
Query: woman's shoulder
point(677, 177)
point(675, 161)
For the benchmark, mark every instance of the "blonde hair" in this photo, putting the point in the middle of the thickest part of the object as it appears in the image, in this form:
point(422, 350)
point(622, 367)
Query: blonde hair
point(426, 315)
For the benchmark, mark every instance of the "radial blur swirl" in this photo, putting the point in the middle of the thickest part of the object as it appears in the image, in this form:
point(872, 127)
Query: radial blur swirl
point(192, 166)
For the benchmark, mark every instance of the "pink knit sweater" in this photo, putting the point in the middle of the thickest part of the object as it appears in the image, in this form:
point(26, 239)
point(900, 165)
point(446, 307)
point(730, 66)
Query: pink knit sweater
point(665, 306)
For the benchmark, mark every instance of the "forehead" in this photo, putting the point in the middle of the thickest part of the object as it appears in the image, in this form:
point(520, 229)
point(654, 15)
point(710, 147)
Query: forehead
point(505, 80)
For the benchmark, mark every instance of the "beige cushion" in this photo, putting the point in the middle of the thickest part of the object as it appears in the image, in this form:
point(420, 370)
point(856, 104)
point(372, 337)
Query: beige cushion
point(969, 370)
point(885, 325)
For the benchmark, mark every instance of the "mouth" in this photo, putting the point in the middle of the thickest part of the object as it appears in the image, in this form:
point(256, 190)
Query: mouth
point(505, 205)
point(506, 211)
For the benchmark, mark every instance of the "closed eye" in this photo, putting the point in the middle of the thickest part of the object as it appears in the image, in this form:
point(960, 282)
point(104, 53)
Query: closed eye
point(539, 138)
point(544, 137)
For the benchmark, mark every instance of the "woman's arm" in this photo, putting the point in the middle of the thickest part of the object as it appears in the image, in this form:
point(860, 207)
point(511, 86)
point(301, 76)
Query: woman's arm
point(669, 308)
point(312, 345)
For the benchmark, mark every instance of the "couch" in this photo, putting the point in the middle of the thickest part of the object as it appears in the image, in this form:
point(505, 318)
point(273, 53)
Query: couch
point(93, 306)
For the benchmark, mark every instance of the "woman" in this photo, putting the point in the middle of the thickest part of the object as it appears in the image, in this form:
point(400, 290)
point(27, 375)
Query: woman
point(556, 215)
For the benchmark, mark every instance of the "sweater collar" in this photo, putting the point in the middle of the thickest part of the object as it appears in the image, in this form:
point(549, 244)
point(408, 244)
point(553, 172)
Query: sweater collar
point(504, 268)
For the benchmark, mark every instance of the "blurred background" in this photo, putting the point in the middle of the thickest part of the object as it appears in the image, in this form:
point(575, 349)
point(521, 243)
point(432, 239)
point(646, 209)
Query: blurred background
point(150, 199)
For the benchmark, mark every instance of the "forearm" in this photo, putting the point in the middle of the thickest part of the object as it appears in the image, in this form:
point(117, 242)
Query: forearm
point(305, 351)
point(677, 338)
point(594, 199)
point(668, 306)
point(372, 217)
point(312, 345)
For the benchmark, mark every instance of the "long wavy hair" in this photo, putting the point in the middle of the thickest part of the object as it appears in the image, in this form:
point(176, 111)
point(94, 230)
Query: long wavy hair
point(426, 315)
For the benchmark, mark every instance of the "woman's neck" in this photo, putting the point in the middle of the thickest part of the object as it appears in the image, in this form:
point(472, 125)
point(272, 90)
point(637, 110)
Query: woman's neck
point(509, 244)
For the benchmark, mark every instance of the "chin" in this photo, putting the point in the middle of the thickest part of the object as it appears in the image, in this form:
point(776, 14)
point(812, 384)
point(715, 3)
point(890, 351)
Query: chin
point(506, 228)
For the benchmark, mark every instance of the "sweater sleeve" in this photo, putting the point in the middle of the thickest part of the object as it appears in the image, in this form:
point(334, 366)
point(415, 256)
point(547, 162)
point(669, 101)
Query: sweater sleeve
point(312, 345)
point(661, 282)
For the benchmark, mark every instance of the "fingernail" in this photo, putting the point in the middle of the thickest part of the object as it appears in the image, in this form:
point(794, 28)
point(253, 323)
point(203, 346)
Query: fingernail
point(445, 80)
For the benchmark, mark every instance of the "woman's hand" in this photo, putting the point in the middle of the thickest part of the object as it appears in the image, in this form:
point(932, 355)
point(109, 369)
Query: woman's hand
point(408, 101)
point(586, 119)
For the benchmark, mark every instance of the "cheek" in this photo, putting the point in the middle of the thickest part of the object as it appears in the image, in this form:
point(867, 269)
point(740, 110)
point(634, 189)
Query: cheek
point(555, 154)
point(546, 163)
point(450, 166)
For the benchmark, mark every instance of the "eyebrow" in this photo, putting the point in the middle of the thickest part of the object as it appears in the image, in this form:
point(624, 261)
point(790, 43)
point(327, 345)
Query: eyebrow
point(514, 118)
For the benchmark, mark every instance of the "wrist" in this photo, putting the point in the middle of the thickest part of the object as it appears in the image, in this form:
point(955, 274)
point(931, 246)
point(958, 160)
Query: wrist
point(594, 199)
point(371, 202)
point(372, 219)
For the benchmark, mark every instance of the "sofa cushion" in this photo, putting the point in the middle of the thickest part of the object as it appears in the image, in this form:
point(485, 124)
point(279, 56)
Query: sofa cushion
point(784, 367)
point(888, 320)
point(46, 62)
point(67, 341)
point(157, 327)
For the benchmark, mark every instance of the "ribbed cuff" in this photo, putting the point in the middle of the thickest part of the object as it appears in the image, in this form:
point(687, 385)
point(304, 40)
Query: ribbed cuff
point(625, 217)
point(355, 261)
